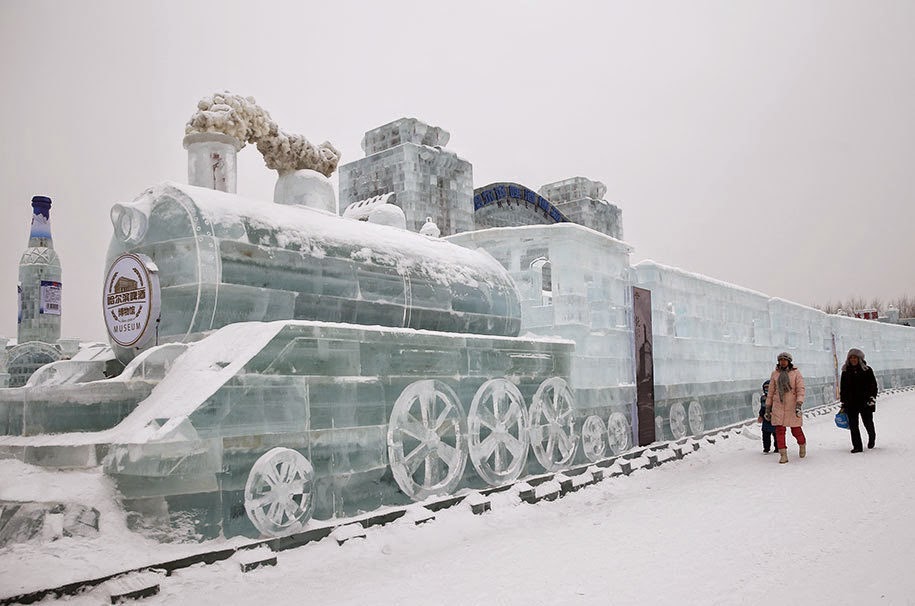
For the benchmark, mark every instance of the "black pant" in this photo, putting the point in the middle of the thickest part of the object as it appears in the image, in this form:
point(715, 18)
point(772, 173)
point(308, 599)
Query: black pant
point(768, 439)
point(867, 417)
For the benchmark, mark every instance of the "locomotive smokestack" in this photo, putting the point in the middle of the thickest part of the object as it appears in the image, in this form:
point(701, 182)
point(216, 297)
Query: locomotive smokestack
point(211, 160)
point(224, 123)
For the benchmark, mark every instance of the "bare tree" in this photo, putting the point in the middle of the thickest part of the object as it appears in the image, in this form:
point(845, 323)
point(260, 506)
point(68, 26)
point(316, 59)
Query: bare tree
point(905, 304)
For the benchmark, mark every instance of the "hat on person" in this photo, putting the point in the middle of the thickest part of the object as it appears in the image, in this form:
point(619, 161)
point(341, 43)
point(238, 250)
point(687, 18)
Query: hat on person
point(854, 351)
point(785, 355)
point(765, 386)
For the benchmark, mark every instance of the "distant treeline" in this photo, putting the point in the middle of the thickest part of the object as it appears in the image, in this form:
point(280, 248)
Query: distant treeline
point(905, 304)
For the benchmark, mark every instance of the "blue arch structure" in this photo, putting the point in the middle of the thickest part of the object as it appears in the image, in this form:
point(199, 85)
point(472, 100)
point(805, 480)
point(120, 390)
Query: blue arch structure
point(497, 193)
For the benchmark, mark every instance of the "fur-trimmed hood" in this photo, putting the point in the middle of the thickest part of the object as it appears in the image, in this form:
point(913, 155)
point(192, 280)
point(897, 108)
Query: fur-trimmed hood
point(854, 351)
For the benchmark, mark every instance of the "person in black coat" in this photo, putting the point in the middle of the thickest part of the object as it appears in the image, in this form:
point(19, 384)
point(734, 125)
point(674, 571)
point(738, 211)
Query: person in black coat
point(768, 431)
point(858, 393)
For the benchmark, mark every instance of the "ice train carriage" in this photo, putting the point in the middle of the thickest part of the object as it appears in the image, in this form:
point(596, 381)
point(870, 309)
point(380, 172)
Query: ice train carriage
point(713, 342)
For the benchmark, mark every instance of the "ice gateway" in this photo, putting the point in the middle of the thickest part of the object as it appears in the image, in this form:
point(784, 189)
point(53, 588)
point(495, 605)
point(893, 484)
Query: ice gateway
point(283, 363)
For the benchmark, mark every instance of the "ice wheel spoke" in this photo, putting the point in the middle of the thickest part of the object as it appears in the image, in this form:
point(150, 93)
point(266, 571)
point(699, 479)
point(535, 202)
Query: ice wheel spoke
point(497, 418)
point(552, 434)
point(428, 412)
point(413, 428)
point(416, 458)
point(487, 418)
point(278, 497)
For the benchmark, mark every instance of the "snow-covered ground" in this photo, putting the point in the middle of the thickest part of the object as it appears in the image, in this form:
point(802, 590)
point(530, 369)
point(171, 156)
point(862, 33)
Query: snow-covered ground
point(725, 525)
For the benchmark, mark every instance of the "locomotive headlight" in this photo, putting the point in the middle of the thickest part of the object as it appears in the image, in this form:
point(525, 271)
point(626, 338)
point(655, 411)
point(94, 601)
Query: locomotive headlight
point(129, 223)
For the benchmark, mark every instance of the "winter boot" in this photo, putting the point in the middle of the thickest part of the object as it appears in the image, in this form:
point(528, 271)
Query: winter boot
point(802, 450)
point(784, 454)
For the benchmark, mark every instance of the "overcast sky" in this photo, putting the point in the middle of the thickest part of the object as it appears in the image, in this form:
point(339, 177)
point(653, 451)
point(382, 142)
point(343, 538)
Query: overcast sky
point(770, 144)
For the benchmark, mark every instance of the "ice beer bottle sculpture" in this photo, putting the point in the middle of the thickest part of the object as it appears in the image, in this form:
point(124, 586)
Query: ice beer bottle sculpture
point(39, 280)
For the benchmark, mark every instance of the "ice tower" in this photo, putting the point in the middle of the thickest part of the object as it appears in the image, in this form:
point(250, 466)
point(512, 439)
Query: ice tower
point(582, 201)
point(406, 158)
point(39, 280)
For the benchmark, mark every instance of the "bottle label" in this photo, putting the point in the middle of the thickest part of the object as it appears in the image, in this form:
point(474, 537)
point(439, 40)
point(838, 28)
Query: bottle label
point(41, 226)
point(49, 298)
point(131, 300)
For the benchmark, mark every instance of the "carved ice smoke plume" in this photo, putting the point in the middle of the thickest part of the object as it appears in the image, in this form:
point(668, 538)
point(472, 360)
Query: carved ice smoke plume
point(242, 118)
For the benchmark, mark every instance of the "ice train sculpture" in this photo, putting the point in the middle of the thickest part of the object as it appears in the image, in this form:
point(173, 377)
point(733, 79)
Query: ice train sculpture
point(277, 363)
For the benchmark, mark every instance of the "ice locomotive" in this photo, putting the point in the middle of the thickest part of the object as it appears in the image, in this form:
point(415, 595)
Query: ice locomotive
point(352, 366)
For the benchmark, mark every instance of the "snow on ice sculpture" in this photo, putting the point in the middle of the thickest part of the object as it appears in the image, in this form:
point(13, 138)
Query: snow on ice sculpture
point(430, 229)
point(553, 435)
point(592, 438)
point(499, 438)
point(619, 433)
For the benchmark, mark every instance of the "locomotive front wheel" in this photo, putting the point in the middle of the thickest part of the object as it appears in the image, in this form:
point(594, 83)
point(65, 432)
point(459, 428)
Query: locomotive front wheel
point(677, 420)
point(619, 433)
point(427, 440)
point(497, 424)
point(278, 493)
point(552, 427)
point(592, 438)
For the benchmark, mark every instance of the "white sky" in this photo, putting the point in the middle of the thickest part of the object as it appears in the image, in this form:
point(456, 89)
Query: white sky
point(770, 144)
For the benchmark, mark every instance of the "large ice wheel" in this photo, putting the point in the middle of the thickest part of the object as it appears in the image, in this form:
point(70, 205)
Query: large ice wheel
point(427, 440)
point(677, 420)
point(497, 427)
point(592, 438)
point(278, 493)
point(696, 418)
point(619, 433)
point(552, 427)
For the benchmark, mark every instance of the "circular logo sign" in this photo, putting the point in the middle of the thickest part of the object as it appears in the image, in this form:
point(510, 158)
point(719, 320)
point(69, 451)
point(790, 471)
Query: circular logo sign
point(131, 300)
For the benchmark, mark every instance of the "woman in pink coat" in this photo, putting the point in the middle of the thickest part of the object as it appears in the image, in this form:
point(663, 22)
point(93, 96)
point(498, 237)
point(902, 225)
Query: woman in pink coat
point(784, 403)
